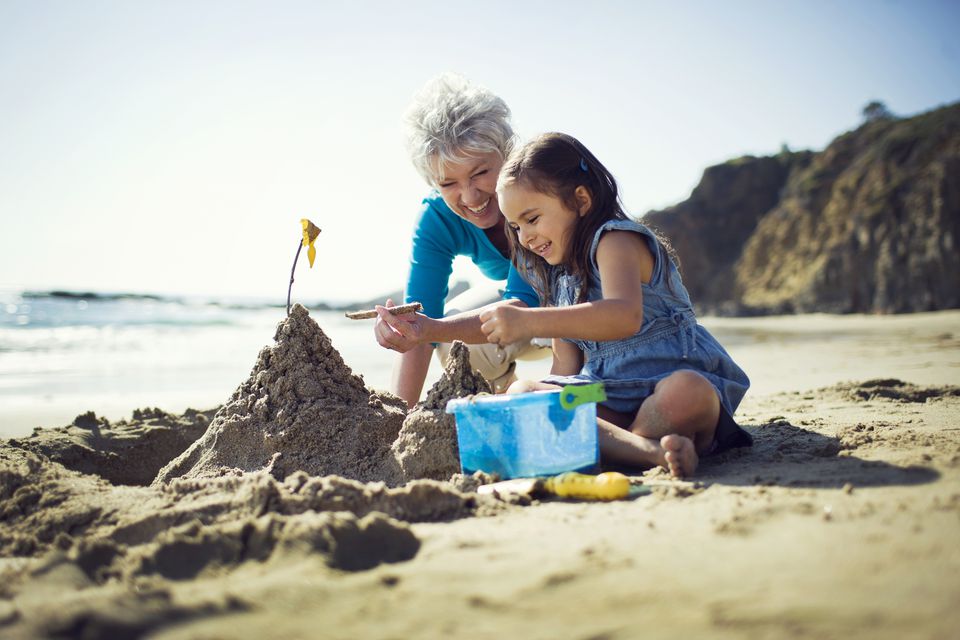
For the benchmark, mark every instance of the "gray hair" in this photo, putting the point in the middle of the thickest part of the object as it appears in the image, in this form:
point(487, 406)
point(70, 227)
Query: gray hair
point(450, 119)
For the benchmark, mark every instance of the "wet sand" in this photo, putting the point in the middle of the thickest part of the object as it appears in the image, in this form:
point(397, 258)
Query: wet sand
point(841, 521)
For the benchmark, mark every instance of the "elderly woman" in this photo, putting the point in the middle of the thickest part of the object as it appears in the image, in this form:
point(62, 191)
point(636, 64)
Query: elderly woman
point(458, 135)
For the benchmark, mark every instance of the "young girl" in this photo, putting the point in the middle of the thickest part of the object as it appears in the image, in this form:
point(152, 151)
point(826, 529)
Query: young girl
point(617, 312)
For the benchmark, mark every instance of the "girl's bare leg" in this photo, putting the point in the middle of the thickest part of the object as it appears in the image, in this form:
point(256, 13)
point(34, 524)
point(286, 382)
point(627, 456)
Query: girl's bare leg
point(681, 415)
point(622, 446)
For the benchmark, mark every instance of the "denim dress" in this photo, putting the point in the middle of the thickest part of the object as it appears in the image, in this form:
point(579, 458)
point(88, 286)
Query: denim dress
point(669, 339)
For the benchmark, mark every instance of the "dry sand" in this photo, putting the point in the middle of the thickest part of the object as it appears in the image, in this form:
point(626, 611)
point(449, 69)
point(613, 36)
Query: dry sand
point(841, 521)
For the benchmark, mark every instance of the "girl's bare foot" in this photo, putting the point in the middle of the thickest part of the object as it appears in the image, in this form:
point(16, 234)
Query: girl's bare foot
point(680, 454)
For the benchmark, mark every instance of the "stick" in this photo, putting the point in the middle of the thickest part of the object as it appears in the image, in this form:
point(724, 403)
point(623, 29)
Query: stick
point(372, 313)
point(292, 271)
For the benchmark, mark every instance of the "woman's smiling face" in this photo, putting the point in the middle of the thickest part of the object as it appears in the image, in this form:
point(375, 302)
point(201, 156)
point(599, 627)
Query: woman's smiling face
point(469, 188)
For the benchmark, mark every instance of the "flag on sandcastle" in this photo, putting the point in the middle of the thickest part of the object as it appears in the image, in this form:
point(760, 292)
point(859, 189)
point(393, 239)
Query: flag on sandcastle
point(301, 409)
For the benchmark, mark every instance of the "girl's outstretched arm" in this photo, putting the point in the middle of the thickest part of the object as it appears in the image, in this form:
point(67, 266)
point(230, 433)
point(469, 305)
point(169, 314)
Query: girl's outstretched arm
point(625, 264)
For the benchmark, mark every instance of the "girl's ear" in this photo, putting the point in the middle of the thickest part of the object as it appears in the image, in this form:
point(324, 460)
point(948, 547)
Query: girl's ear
point(584, 200)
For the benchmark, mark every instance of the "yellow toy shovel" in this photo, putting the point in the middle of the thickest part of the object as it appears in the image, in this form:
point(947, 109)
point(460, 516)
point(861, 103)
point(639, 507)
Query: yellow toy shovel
point(603, 487)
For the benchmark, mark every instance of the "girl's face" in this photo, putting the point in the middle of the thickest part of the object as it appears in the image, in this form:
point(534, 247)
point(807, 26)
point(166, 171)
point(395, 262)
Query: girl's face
point(469, 188)
point(544, 225)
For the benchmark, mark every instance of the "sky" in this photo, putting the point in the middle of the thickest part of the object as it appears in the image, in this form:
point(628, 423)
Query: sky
point(172, 147)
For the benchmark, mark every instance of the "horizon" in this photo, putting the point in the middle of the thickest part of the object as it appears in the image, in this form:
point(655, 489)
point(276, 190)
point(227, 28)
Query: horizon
point(112, 295)
point(171, 150)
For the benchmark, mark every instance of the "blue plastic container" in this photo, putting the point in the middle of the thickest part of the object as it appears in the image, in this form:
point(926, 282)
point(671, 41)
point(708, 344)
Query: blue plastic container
point(528, 434)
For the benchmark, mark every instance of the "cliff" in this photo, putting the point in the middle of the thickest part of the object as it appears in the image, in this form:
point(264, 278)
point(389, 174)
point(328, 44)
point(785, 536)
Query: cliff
point(869, 224)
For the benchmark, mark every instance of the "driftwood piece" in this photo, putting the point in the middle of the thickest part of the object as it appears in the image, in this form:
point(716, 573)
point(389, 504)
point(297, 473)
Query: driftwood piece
point(372, 313)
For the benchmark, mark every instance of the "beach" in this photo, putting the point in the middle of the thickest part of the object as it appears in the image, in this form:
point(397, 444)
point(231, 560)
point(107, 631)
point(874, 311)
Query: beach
point(840, 521)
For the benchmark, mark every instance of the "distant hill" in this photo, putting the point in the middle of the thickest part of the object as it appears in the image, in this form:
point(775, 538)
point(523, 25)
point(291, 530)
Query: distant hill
point(870, 224)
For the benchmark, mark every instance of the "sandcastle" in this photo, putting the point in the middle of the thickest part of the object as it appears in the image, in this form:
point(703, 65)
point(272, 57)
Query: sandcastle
point(303, 409)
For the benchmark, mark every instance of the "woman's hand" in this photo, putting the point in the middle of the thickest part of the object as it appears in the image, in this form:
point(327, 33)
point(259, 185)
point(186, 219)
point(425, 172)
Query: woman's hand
point(505, 323)
point(399, 333)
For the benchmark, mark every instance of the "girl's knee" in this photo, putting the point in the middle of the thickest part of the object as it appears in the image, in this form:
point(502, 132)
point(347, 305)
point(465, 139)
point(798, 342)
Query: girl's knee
point(685, 397)
point(684, 378)
point(685, 384)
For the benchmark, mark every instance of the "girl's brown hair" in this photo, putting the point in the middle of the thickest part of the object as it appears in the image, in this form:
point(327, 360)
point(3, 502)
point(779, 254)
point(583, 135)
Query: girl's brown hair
point(556, 164)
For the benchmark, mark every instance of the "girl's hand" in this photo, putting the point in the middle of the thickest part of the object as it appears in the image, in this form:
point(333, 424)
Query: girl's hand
point(503, 324)
point(399, 333)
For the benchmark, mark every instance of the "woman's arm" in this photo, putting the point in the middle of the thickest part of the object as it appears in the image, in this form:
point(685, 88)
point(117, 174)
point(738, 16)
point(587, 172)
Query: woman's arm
point(409, 373)
point(625, 263)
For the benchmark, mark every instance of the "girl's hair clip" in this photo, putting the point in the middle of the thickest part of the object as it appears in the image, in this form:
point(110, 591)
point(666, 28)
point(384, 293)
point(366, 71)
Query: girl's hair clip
point(583, 165)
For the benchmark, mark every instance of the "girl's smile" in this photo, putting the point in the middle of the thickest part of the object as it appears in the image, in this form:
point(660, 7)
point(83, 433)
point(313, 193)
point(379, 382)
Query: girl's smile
point(543, 249)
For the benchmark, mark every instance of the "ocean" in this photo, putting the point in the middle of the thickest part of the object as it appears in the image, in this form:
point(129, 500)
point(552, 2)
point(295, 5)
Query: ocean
point(64, 353)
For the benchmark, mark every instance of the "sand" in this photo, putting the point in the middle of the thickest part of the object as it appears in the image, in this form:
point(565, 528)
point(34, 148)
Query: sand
point(841, 521)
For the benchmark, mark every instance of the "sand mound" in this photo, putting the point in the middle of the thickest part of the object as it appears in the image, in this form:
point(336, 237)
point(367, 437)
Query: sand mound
point(427, 444)
point(125, 452)
point(45, 506)
point(891, 389)
point(301, 409)
point(40, 500)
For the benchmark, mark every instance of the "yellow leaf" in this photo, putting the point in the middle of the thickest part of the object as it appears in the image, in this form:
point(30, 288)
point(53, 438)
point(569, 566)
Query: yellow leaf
point(310, 233)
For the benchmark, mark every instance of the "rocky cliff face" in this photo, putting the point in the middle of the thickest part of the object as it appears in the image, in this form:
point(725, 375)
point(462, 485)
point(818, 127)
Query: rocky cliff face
point(870, 224)
point(709, 230)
